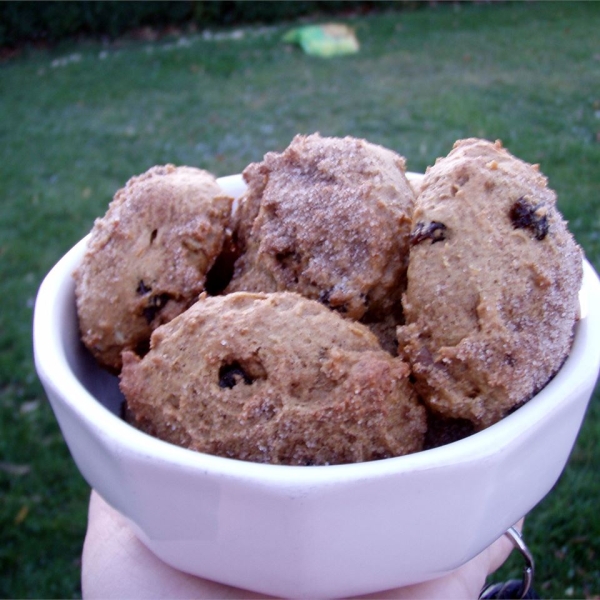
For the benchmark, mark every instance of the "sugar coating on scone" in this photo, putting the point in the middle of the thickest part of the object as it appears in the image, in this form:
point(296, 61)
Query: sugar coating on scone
point(147, 258)
point(273, 378)
point(493, 283)
point(328, 218)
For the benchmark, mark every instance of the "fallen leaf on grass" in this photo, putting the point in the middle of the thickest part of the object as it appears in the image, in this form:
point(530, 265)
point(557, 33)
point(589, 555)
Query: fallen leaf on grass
point(22, 514)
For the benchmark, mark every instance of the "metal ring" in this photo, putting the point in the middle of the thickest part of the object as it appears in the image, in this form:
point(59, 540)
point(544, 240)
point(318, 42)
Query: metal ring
point(529, 568)
point(506, 589)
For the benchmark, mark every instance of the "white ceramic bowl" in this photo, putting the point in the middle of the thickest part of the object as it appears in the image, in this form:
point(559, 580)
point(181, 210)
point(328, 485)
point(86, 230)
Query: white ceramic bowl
point(310, 531)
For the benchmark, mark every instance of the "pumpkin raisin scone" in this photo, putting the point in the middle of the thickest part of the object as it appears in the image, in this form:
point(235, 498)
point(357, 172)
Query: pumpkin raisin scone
point(493, 283)
point(328, 218)
point(273, 378)
point(148, 257)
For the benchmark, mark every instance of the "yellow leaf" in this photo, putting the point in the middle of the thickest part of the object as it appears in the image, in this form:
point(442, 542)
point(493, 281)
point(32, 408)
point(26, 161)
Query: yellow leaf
point(22, 514)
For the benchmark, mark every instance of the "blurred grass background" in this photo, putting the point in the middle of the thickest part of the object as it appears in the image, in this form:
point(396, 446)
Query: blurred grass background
point(79, 119)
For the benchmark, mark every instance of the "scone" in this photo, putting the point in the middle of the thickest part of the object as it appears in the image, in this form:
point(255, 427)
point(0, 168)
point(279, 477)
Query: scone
point(493, 281)
point(328, 218)
point(273, 378)
point(148, 257)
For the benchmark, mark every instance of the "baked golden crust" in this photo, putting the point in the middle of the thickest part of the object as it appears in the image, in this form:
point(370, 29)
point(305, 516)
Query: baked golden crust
point(493, 283)
point(328, 218)
point(147, 258)
point(273, 378)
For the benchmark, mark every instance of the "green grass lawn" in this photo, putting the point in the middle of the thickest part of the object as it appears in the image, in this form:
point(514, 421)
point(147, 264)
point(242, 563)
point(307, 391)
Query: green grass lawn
point(76, 122)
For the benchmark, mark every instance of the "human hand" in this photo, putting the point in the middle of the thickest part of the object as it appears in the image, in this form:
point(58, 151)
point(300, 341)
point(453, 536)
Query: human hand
point(117, 565)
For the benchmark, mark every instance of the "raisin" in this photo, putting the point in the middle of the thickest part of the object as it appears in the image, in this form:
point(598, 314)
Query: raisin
point(325, 299)
point(434, 231)
point(231, 374)
point(142, 289)
point(525, 215)
point(509, 359)
point(291, 263)
point(155, 304)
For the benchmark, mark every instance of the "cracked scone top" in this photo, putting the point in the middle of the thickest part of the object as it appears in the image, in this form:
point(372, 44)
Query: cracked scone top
point(147, 258)
point(493, 283)
point(273, 378)
point(328, 218)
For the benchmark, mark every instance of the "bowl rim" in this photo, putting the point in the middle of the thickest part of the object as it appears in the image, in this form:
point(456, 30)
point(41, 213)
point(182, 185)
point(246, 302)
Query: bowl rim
point(55, 303)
